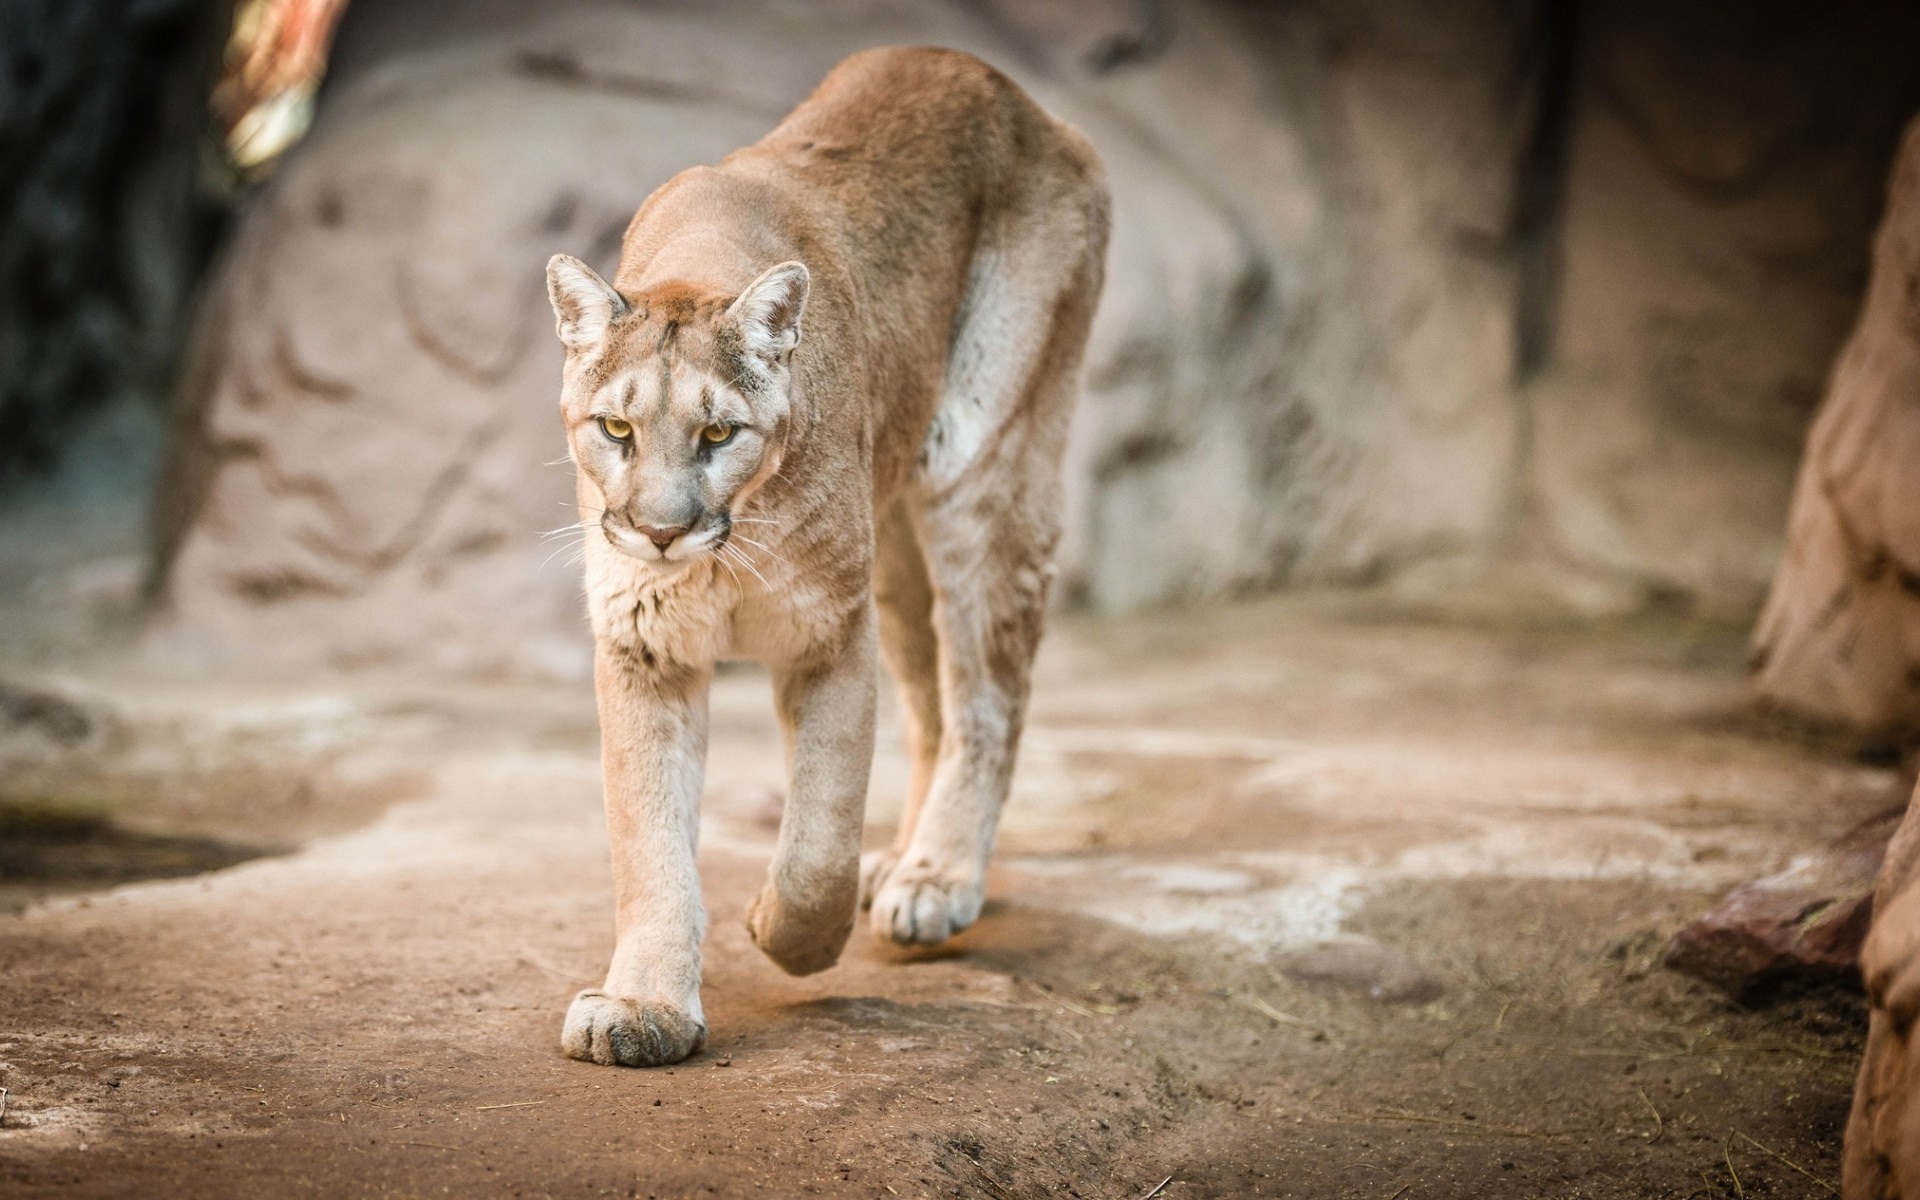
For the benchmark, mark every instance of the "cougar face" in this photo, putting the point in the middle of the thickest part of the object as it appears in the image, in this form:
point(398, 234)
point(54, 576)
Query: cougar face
point(676, 403)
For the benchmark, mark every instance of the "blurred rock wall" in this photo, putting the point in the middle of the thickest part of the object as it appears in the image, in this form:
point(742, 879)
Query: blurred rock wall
point(1399, 292)
point(1728, 163)
point(1840, 635)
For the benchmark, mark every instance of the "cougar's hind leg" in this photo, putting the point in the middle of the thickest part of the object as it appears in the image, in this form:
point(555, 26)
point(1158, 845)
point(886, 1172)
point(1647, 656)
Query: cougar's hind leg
point(987, 520)
point(992, 599)
point(904, 597)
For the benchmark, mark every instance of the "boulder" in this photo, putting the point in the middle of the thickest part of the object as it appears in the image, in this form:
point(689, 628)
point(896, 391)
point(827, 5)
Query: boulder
point(1799, 928)
point(1839, 639)
point(1882, 1156)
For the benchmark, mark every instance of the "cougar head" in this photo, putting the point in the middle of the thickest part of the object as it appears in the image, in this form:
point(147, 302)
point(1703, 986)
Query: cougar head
point(677, 402)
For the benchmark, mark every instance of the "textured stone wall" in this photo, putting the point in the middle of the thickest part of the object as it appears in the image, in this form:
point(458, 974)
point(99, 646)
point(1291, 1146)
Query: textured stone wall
point(1421, 294)
point(1840, 635)
point(1727, 164)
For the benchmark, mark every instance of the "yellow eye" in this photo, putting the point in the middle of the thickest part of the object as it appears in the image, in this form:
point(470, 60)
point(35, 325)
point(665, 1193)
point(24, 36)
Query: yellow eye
point(615, 428)
point(717, 435)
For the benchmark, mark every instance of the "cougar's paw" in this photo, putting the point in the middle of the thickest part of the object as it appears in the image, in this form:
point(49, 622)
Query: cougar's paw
point(800, 939)
point(920, 906)
point(621, 1031)
point(875, 866)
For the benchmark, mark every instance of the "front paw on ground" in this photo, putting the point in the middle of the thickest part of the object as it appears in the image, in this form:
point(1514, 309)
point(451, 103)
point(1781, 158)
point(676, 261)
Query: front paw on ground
point(800, 941)
point(920, 908)
point(622, 1031)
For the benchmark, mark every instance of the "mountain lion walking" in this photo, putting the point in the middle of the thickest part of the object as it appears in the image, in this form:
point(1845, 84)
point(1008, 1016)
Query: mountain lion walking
point(820, 411)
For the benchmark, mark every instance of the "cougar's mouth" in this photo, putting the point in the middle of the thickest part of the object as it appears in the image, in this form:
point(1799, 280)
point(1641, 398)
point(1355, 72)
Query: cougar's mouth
point(684, 549)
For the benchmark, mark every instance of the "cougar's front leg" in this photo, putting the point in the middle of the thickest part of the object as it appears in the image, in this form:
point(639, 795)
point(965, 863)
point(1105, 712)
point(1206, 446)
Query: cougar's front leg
point(653, 739)
point(802, 917)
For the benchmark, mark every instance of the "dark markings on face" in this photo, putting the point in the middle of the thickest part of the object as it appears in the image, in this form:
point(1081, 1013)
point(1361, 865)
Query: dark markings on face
point(664, 353)
point(730, 359)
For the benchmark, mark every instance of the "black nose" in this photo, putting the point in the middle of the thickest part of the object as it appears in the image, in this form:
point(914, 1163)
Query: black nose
point(662, 535)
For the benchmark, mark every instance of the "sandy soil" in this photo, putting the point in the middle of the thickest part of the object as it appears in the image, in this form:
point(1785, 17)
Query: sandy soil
point(1296, 899)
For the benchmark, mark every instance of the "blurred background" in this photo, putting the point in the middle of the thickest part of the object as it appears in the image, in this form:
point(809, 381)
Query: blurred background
point(1483, 303)
point(1493, 534)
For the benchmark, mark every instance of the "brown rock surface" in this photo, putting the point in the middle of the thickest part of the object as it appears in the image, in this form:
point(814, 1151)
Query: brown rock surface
point(1726, 165)
point(1801, 926)
point(1382, 305)
point(1882, 1159)
point(1840, 637)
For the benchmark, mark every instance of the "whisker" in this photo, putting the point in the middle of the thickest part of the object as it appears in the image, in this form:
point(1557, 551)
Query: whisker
point(579, 547)
point(764, 549)
point(735, 553)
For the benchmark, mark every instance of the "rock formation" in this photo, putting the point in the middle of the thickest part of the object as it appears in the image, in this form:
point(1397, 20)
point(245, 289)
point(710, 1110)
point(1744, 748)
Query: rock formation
point(1397, 292)
point(1883, 1141)
point(1796, 930)
point(1840, 635)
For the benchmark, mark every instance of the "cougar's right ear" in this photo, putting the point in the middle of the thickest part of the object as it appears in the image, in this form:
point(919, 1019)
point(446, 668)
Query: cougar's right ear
point(768, 312)
point(584, 304)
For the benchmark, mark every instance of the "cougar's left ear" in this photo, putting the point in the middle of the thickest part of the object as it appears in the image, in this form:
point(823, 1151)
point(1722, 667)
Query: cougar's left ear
point(768, 312)
point(584, 304)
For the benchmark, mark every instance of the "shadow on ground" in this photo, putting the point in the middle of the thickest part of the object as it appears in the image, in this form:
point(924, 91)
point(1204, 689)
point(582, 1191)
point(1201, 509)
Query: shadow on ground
point(50, 848)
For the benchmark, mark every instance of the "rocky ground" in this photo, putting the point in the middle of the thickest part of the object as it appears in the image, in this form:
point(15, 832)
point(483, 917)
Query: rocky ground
point(1307, 898)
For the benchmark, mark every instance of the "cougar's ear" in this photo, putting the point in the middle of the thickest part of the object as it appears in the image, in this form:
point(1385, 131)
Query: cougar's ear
point(584, 304)
point(768, 312)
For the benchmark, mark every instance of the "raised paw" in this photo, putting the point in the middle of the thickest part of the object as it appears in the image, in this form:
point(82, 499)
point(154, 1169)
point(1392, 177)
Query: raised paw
point(922, 907)
point(621, 1031)
point(801, 938)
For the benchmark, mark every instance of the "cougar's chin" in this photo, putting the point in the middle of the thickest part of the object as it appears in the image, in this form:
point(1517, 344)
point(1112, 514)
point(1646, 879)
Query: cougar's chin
point(661, 567)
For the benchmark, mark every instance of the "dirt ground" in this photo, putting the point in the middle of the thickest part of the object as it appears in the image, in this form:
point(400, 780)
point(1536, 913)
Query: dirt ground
point(1305, 898)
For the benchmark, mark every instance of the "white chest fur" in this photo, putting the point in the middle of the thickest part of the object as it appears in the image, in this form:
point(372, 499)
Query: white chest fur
point(708, 610)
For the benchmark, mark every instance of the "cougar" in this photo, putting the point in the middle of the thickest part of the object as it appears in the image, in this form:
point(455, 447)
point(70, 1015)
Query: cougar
point(818, 417)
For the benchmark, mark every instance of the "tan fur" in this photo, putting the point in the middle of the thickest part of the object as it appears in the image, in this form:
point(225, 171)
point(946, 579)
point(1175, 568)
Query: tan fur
point(888, 297)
